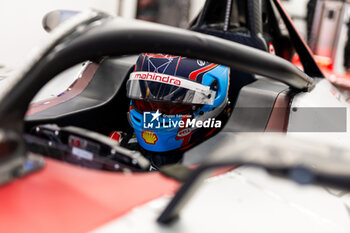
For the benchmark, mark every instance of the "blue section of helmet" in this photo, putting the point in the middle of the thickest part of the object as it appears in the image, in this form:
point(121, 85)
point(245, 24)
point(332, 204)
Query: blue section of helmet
point(221, 75)
point(166, 134)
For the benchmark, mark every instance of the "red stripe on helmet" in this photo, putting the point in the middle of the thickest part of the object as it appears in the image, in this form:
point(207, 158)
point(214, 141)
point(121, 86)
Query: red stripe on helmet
point(194, 74)
point(177, 66)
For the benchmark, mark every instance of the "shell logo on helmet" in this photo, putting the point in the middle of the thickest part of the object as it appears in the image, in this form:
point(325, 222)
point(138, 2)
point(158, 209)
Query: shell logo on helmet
point(149, 137)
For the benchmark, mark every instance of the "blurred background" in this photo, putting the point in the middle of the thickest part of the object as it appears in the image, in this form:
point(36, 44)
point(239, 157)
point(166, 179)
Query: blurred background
point(21, 28)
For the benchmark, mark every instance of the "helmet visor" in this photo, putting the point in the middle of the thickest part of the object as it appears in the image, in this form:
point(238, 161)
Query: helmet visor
point(165, 108)
point(155, 87)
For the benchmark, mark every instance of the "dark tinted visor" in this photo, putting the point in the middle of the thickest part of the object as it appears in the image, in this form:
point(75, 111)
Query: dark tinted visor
point(165, 108)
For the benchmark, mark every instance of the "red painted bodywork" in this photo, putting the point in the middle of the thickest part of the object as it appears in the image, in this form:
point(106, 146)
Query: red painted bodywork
point(67, 198)
point(279, 117)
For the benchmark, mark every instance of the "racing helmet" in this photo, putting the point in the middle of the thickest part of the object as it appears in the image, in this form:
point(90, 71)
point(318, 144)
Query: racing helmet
point(175, 101)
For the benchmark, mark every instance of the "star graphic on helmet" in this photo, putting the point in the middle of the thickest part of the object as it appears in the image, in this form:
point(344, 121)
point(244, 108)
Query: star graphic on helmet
point(156, 115)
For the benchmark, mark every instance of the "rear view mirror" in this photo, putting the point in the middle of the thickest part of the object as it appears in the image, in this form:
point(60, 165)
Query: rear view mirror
point(54, 18)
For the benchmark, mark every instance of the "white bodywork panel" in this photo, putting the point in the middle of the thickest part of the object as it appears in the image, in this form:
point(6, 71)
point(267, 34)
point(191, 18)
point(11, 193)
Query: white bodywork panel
point(322, 96)
point(60, 83)
point(246, 200)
